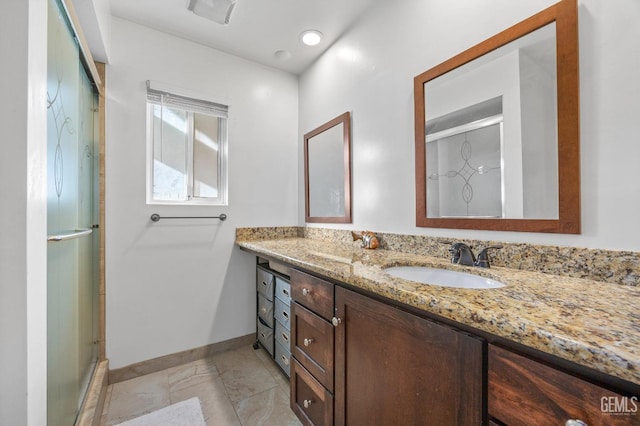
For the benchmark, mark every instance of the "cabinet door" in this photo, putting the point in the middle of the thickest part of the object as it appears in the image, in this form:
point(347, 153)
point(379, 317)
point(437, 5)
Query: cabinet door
point(524, 392)
point(394, 368)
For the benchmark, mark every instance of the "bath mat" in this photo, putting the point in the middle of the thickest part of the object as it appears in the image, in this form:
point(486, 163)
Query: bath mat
point(184, 413)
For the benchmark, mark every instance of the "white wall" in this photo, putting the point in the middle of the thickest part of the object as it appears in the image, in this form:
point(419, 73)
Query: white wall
point(370, 71)
point(23, 215)
point(176, 285)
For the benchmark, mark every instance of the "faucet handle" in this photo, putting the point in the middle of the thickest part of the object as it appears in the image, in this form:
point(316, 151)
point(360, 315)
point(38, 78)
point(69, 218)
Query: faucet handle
point(462, 254)
point(483, 257)
point(455, 255)
point(454, 249)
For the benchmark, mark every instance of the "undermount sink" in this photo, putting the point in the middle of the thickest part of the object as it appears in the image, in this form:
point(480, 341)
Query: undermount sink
point(442, 277)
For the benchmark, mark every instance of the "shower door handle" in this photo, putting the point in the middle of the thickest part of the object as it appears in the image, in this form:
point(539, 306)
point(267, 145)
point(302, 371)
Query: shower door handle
point(78, 233)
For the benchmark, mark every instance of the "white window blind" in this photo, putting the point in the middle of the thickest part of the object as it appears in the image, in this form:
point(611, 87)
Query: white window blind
point(187, 140)
point(190, 104)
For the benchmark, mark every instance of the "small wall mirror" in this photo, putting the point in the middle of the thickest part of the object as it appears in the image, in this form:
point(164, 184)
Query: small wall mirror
point(327, 172)
point(497, 131)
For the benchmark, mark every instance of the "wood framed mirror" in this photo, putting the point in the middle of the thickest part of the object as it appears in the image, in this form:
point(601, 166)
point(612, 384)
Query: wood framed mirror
point(327, 172)
point(497, 132)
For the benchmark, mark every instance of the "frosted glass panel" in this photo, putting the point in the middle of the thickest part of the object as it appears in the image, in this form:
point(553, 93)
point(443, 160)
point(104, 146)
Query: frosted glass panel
point(465, 178)
point(72, 292)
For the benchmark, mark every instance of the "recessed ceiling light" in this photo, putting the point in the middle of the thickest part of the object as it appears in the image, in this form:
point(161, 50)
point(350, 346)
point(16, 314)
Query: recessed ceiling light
point(311, 37)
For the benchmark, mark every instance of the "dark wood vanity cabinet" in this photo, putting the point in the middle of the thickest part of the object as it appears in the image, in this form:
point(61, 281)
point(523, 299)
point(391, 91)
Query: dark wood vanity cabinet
point(523, 391)
point(360, 361)
point(395, 368)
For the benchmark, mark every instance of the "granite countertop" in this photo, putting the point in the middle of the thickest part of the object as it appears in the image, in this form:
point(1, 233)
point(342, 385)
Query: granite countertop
point(588, 322)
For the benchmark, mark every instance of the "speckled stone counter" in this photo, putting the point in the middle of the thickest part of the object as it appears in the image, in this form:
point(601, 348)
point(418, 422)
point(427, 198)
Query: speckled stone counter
point(589, 322)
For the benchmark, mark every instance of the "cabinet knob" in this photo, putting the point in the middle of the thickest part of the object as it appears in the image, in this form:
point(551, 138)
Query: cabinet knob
point(307, 342)
point(306, 292)
point(336, 321)
point(575, 422)
point(306, 403)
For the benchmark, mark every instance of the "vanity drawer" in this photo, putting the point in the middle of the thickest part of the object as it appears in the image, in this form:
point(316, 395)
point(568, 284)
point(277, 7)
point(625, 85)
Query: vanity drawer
point(525, 392)
point(313, 344)
point(265, 310)
point(314, 293)
point(283, 290)
point(265, 283)
point(283, 358)
point(311, 402)
point(265, 336)
point(283, 336)
point(282, 313)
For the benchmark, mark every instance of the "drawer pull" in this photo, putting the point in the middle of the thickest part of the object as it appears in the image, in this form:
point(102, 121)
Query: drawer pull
point(307, 342)
point(285, 360)
point(307, 403)
point(285, 314)
point(306, 292)
point(286, 292)
point(336, 321)
point(575, 422)
point(264, 283)
point(285, 337)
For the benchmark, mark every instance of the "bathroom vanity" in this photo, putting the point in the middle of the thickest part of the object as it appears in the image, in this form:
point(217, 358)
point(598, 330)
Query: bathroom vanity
point(382, 363)
point(368, 348)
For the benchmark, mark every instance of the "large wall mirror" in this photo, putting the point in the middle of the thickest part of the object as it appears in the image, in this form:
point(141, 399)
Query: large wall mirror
point(327, 172)
point(497, 131)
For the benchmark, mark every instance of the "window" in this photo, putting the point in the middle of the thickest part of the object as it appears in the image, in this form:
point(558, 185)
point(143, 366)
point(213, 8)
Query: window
point(187, 141)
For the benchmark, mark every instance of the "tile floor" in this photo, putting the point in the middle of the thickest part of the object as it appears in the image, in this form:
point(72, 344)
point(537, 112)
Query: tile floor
point(237, 387)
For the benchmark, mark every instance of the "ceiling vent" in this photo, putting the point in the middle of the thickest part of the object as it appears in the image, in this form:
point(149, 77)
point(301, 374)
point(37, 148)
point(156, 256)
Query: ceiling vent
point(215, 10)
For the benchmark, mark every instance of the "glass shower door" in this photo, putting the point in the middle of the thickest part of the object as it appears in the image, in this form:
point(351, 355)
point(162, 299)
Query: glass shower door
point(72, 291)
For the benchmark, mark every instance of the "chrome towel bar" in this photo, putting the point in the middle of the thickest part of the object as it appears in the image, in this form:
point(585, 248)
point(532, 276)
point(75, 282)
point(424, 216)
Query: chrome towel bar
point(156, 217)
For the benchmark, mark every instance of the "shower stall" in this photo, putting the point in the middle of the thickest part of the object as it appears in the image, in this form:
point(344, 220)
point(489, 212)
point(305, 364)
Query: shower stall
point(73, 215)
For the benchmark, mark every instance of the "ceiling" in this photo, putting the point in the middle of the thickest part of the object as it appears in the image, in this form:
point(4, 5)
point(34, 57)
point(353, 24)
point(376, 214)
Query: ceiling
point(257, 29)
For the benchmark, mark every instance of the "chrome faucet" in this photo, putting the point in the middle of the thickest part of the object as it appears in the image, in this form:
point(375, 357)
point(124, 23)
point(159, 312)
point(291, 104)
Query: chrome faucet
point(462, 254)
